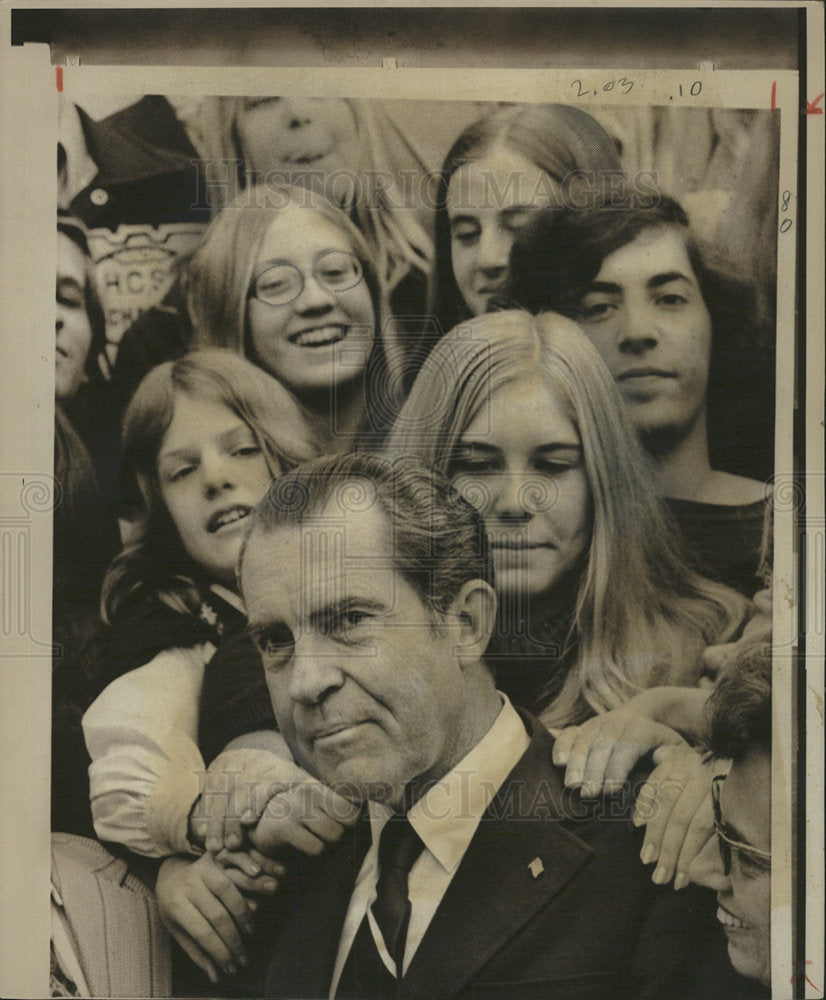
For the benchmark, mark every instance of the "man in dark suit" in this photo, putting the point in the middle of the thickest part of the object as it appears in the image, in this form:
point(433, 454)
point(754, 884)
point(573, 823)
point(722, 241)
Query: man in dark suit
point(472, 872)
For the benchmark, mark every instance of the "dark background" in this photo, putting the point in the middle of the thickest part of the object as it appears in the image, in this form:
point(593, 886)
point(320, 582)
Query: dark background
point(739, 37)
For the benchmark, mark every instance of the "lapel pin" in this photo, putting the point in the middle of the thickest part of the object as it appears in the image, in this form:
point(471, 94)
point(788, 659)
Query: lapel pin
point(536, 867)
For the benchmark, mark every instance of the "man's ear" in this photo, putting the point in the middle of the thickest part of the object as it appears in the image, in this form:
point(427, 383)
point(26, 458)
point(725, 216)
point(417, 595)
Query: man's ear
point(474, 609)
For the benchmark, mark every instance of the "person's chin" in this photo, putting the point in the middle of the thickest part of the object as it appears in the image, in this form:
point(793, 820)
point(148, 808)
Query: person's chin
point(750, 958)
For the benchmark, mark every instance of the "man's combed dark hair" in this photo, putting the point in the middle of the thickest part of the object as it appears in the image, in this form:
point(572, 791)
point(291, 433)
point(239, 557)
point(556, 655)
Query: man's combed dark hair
point(560, 252)
point(438, 538)
point(740, 708)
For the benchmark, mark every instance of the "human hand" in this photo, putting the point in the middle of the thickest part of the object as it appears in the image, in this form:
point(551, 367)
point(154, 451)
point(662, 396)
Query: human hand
point(202, 906)
point(239, 783)
point(599, 754)
point(757, 633)
point(675, 805)
point(307, 816)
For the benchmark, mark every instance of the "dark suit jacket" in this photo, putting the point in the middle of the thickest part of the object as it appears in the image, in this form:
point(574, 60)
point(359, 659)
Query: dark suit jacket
point(592, 925)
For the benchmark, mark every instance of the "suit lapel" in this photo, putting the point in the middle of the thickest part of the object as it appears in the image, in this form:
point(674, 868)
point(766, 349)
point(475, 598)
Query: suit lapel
point(516, 863)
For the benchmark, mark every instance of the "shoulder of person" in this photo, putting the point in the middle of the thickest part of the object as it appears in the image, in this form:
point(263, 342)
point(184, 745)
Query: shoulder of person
point(729, 490)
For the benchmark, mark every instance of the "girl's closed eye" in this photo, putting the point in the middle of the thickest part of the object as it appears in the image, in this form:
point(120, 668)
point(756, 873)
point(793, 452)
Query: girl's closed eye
point(468, 461)
point(465, 233)
point(177, 473)
point(555, 467)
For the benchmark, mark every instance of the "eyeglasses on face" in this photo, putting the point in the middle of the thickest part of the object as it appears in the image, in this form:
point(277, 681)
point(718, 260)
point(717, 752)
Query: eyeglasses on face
point(280, 282)
point(728, 846)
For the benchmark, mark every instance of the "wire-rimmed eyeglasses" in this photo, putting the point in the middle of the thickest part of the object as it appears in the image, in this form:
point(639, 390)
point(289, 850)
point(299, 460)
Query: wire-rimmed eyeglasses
point(728, 846)
point(279, 282)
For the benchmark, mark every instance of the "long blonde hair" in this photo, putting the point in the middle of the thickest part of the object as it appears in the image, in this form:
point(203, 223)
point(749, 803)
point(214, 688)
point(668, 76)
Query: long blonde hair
point(641, 617)
point(221, 270)
point(154, 557)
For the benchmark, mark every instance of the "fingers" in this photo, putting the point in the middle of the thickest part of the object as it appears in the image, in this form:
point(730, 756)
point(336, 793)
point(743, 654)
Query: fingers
point(223, 826)
point(700, 833)
point(238, 785)
point(667, 804)
point(268, 865)
point(263, 885)
point(601, 753)
point(195, 952)
point(210, 927)
point(201, 906)
point(622, 760)
point(273, 833)
point(307, 816)
point(251, 862)
point(562, 745)
point(257, 874)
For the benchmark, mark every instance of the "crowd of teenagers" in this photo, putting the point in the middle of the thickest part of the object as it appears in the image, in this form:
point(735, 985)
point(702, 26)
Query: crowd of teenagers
point(547, 335)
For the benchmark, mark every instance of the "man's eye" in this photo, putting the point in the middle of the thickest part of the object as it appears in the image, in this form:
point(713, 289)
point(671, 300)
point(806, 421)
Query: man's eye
point(275, 646)
point(750, 867)
point(350, 619)
point(672, 301)
point(596, 311)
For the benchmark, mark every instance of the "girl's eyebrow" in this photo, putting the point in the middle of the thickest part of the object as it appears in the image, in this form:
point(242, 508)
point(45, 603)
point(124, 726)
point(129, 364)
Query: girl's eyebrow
point(223, 439)
point(560, 446)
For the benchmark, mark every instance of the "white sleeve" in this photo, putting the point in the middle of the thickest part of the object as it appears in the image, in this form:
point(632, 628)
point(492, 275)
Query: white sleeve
point(146, 770)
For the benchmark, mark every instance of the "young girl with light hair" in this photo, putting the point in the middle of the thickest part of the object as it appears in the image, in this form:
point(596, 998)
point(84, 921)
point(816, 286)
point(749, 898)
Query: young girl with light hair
point(597, 603)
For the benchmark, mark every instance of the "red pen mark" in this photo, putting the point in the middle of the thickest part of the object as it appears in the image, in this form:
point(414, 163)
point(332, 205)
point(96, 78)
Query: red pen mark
point(59, 72)
point(808, 961)
point(812, 106)
point(774, 94)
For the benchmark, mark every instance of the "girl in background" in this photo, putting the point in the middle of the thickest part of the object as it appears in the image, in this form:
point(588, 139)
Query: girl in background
point(285, 278)
point(497, 173)
point(203, 436)
point(597, 603)
point(85, 532)
point(347, 149)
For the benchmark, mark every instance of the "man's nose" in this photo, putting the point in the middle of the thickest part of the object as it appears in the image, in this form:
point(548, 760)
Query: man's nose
point(316, 671)
point(638, 330)
point(707, 869)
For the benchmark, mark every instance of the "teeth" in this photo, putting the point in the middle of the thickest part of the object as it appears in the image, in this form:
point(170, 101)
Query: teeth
point(728, 919)
point(319, 337)
point(229, 517)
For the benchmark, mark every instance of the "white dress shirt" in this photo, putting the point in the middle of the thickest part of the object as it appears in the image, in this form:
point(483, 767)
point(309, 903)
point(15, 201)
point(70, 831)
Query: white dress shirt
point(445, 818)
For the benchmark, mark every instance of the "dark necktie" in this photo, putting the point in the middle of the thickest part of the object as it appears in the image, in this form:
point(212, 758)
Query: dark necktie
point(399, 847)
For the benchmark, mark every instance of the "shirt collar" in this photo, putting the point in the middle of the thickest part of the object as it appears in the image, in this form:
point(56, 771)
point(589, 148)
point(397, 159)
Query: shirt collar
point(233, 599)
point(447, 815)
